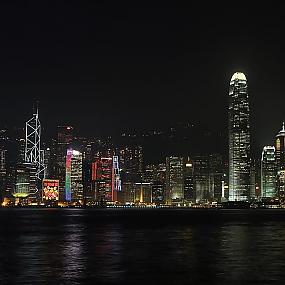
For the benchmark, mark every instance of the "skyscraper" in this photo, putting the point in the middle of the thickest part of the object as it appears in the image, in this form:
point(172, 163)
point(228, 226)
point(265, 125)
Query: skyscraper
point(106, 179)
point(73, 177)
point(64, 139)
point(188, 177)
point(280, 161)
point(268, 172)
point(174, 180)
point(280, 149)
point(216, 176)
point(131, 163)
point(239, 139)
point(201, 178)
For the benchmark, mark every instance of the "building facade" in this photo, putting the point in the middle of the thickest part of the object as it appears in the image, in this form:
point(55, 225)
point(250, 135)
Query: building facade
point(280, 161)
point(239, 139)
point(268, 173)
point(73, 177)
point(174, 180)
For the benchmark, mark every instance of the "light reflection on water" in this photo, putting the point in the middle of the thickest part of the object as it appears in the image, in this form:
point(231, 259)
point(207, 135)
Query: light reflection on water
point(78, 246)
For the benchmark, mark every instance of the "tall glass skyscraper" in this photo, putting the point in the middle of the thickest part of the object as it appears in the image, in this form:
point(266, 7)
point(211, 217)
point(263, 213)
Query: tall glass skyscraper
point(239, 139)
point(268, 172)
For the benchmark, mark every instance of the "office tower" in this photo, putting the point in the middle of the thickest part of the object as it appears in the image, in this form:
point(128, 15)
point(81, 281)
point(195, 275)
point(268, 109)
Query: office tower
point(33, 146)
point(64, 140)
point(158, 193)
point(117, 183)
point(64, 135)
point(174, 180)
point(280, 148)
point(216, 176)
point(88, 193)
point(106, 179)
point(131, 163)
point(21, 149)
point(268, 172)
point(280, 183)
point(21, 185)
point(24, 183)
point(188, 177)
point(155, 172)
point(34, 154)
point(73, 177)
point(129, 193)
point(280, 161)
point(201, 178)
point(239, 139)
point(47, 161)
point(150, 173)
point(143, 193)
point(253, 180)
point(2, 173)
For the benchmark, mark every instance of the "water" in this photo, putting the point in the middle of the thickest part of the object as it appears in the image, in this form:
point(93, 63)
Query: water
point(77, 246)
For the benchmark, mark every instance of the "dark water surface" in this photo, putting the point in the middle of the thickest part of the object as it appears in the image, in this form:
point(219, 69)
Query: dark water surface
point(77, 246)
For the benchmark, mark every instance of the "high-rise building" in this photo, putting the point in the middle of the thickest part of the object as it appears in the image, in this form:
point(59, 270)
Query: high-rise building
point(268, 173)
point(34, 154)
point(281, 184)
point(129, 192)
point(201, 178)
point(131, 163)
point(2, 173)
point(64, 140)
point(216, 176)
point(253, 180)
point(143, 193)
point(239, 139)
point(280, 148)
point(21, 185)
point(73, 177)
point(174, 180)
point(106, 179)
point(280, 161)
point(158, 192)
point(188, 180)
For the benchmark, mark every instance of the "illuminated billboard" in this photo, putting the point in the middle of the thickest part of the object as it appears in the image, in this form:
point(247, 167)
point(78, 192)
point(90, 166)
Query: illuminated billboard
point(50, 189)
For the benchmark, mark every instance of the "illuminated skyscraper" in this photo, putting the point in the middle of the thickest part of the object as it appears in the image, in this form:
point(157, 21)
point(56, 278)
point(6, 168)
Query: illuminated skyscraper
point(201, 178)
point(131, 163)
point(268, 173)
point(280, 149)
point(34, 153)
point(64, 139)
point(216, 176)
point(143, 193)
point(73, 177)
point(280, 162)
point(174, 180)
point(106, 179)
point(239, 139)
point(188, 179)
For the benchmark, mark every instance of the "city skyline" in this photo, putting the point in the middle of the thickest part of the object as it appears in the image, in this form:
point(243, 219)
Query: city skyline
point(142, 142)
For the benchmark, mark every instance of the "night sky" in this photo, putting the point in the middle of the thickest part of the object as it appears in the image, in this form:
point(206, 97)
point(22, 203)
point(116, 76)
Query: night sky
point(112, 66)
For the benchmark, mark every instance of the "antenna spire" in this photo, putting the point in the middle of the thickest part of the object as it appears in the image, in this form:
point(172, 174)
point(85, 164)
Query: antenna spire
point(37, 106)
